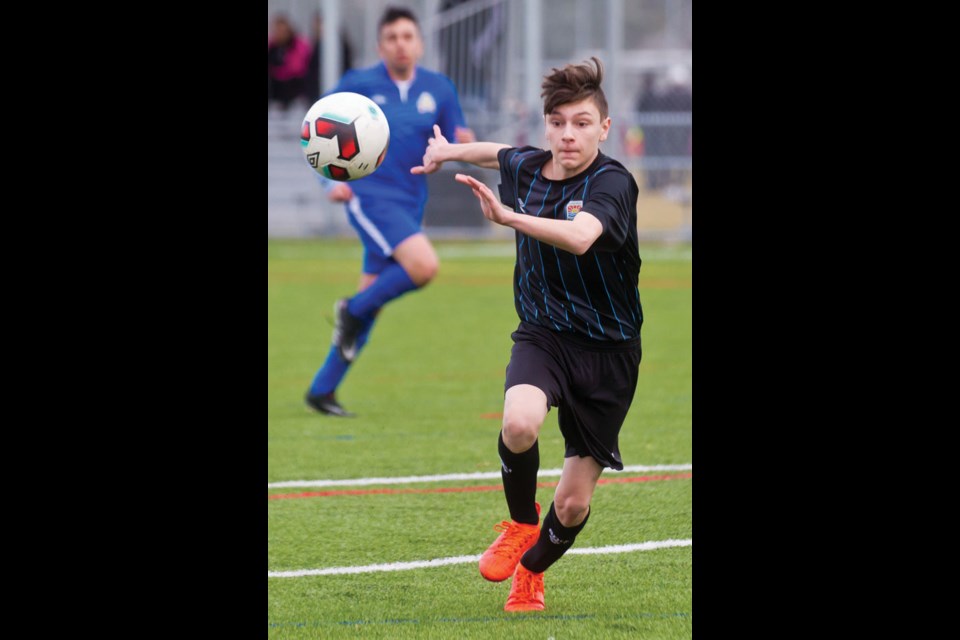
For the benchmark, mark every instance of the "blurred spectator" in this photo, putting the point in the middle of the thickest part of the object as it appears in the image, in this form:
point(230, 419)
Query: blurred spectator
point(288, 57)
point(314, 82)
point(665, 141)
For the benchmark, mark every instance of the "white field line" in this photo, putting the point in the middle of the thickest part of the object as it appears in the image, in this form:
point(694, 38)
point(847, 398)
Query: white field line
point(440, 562)
point(482, 475)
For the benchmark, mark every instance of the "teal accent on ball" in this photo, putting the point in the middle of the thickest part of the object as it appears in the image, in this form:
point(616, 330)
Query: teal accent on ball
point(338, 118)
point(326, 171)
point(303, 142)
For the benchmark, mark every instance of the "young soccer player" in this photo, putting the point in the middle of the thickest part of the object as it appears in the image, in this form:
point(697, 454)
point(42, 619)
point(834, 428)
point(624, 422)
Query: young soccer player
point(386, 207)
point(577, 346)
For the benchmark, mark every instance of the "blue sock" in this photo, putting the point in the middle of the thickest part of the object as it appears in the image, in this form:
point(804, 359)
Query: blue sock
point(334, 369)
point(392, 283)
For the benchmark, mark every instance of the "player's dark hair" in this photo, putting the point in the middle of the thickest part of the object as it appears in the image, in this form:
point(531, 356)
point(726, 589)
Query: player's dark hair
point(573, 83)
point(392, 14)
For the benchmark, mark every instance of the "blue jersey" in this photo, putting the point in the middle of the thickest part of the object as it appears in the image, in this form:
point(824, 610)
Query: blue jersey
point(431, 99)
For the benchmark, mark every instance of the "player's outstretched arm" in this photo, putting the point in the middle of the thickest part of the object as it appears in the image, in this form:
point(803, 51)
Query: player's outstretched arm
point(491, 207)
point(440, 150)
point(575, 236)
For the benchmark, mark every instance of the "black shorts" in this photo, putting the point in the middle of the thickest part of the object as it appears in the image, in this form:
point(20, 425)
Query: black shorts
point(591, 382)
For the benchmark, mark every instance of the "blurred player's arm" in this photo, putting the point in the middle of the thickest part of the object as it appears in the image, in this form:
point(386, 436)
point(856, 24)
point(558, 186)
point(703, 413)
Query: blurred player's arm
point(440, 150)
point(336, 191)
point(465, 135)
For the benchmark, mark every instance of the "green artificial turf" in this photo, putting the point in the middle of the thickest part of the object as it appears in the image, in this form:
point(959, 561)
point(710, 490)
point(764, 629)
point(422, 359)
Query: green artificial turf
point(428, 391)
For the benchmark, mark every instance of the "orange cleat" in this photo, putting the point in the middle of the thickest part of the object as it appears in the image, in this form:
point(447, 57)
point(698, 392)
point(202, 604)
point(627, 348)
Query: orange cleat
point(526, 592)
point(501, 558)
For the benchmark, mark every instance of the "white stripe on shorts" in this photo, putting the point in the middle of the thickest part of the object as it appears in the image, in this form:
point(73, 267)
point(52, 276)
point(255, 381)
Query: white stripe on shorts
point(354, 208)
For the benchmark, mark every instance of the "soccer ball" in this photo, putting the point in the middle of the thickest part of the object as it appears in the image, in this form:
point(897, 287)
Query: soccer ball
point(344, 136)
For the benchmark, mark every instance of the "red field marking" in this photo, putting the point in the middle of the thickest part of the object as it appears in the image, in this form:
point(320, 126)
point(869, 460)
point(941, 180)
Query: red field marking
point(489, 487)
point(676, 476)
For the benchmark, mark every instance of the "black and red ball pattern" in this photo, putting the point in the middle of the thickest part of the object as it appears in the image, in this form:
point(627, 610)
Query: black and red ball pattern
point(346, 135)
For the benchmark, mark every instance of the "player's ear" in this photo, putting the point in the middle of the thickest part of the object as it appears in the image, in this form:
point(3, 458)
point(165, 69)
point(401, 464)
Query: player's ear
point(604, 129)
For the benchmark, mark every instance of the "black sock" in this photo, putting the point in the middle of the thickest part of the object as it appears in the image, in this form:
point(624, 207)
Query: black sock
point(554, 541)
point(519, 473)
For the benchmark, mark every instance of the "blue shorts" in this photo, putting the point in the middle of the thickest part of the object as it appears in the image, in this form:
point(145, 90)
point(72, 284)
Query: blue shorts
point(382, 225)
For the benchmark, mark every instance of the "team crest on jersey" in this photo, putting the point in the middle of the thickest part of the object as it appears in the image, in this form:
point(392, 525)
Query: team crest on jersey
point(426, 103)
point(573, 208)
point(379, 98)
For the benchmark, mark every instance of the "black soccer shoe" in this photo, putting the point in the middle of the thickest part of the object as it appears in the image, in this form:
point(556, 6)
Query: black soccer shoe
point(346, 330)
point(328, 405)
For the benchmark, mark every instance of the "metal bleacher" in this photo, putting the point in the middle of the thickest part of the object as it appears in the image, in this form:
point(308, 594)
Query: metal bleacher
point(296, 205)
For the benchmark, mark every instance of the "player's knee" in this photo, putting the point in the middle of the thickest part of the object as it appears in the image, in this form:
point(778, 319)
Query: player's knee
point(429, 269)
point(571, 509)
point(424, 269)
point(519, 431)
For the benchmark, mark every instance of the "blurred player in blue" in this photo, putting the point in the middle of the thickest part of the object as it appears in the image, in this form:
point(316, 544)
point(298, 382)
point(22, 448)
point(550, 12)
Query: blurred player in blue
point(386, 207)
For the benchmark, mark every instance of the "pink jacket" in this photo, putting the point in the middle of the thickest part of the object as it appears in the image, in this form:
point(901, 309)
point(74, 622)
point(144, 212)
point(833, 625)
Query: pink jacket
point(295, 60)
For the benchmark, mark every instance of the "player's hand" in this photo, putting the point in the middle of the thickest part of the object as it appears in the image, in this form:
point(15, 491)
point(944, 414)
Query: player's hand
point(491, 207)
point(464, 134)
point(433, 157)
point(340, 193)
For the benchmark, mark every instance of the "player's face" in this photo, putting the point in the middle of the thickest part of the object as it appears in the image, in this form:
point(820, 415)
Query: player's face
point(575, 131)
point(400, 47)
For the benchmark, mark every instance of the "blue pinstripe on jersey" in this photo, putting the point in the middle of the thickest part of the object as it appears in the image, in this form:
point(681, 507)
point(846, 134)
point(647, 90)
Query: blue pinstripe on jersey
point(520, 287)
point(600, 268)
point(563, 193)
point(543, 271)
point(583, 196)
point(607, 291)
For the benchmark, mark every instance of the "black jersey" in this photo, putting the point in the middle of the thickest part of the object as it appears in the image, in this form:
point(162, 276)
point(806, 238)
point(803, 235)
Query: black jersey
point(594, 295)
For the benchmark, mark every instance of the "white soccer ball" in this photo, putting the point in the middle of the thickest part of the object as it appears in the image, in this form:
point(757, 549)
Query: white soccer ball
point(344, 136)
